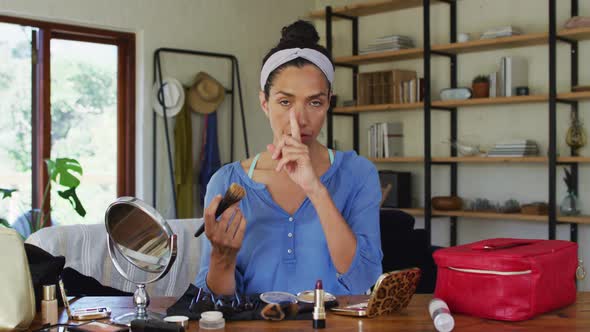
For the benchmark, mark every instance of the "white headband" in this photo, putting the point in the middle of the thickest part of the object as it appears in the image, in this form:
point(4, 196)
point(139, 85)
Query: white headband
point(284, 56)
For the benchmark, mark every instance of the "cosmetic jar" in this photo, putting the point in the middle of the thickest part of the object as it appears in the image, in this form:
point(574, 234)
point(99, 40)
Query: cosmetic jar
point(522, 91)
point(211, 320)
point(178, 320)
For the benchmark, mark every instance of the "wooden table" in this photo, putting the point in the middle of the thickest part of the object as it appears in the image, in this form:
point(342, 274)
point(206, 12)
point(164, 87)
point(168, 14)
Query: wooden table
point(414, 318)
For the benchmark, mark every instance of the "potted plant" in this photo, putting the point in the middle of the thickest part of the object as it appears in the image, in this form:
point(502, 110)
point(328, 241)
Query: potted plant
point(64, 175)
point(481, 86)
point(5, 194)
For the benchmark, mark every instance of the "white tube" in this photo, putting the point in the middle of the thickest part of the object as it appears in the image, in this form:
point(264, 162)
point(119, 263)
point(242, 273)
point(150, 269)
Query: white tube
point(441, 315)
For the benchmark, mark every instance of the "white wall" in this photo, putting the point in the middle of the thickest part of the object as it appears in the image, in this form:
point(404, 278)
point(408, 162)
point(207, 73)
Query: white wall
point(485, 125)
point(247, 29)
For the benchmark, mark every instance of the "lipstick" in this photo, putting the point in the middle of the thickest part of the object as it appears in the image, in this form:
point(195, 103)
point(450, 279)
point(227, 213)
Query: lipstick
point(319, 312)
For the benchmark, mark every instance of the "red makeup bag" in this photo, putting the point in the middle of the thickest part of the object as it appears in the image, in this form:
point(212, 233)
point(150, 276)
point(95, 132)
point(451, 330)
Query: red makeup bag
point(507, 279)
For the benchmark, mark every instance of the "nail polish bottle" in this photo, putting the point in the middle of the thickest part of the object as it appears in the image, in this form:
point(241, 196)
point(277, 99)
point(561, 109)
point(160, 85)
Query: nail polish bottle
point(49, 305)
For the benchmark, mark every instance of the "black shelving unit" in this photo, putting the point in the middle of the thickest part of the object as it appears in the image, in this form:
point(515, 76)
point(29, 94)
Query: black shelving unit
point(553, 100)
point(428, 53)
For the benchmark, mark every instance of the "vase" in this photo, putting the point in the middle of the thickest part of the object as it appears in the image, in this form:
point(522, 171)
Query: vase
point(570, 205)
point(481, 90)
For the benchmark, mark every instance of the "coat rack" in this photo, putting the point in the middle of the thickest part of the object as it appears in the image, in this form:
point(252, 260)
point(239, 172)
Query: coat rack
point(235, 74)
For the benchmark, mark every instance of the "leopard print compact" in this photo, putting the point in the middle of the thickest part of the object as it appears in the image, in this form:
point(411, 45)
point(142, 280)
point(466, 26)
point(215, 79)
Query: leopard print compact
point(393, 291)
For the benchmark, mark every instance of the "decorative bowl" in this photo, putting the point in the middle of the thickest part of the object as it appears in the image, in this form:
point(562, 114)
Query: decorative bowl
point(447, 203)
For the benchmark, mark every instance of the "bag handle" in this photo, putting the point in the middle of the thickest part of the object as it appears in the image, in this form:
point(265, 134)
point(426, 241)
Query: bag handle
point(500, 245)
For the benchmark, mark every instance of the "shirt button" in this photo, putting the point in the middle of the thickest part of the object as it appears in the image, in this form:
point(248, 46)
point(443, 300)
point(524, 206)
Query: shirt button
point(290, 218)
point(290, 235)
point(290, 251)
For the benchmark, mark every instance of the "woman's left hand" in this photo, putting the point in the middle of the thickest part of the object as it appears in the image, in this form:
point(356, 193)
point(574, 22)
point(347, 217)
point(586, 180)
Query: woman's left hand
point(294, 158)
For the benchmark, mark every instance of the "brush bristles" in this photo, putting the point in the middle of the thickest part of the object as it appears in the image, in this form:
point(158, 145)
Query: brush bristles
point(234, 194)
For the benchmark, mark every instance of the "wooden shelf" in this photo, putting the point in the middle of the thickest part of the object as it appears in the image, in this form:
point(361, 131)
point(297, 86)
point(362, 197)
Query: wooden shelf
point(577, 33)
point(480, 45)
point(447, 104)
point(463, 103)
point(491, 101)
point(379, 108)
point(398, 160)
point(483, 160)
point(416, 212)
point(532, 39)
point(574, 219)
point(489, 160)
point(378, 57)
point(369, 8)
point(419, 212)
point(581, 160)
point(574, 95)
point(490, 215)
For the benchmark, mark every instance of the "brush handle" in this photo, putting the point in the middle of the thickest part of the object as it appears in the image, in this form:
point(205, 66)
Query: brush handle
point(220, 209)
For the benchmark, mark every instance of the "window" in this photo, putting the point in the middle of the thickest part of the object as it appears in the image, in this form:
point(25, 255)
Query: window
point(68, 92)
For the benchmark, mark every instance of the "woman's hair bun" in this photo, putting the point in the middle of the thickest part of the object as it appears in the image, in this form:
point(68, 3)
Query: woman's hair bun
point(299, 34)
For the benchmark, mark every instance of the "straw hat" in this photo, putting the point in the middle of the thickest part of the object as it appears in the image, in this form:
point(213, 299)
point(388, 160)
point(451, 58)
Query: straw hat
point(173, 92)
point(206, 94)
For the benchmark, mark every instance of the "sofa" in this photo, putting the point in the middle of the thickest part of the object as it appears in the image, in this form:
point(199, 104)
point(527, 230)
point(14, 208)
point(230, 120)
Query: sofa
point(404, 247)
point(85, 249)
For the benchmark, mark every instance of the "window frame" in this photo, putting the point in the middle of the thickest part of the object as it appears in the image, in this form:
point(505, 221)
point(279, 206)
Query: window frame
point(41, 96)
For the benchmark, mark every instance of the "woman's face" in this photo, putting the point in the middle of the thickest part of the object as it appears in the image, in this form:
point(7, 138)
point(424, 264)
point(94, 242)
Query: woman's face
point(302, 90)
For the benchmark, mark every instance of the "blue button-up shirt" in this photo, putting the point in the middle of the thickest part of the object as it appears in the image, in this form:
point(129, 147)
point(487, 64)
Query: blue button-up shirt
point(284, 252)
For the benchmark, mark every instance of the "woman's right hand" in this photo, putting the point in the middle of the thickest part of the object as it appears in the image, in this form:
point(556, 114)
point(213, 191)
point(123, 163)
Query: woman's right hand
point(225, 235)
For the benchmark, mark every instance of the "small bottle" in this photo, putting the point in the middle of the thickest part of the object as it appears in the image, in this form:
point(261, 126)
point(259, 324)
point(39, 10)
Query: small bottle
point(49, 305)
point(441, 315)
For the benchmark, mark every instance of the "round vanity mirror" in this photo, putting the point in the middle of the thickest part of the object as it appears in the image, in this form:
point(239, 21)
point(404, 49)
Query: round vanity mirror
point(139, 235)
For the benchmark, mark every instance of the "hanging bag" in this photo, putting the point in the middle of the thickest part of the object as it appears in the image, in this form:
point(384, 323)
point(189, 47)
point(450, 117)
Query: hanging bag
point(17, 307)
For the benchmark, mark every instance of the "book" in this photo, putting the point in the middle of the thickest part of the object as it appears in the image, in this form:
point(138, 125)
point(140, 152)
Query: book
point(398, 78)
point(516, 74)
point(395, 139)
point(493, 84)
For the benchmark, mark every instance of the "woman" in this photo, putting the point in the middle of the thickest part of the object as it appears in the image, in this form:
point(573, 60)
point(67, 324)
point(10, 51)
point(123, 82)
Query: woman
point(311, 213)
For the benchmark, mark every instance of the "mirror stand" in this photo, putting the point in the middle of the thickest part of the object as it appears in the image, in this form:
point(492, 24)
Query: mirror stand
point(138, 234)
point(141, 300)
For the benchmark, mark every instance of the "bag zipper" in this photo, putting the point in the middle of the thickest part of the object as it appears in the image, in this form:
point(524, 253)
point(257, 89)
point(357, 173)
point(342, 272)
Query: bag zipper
point(580, 271)
point(500, 273)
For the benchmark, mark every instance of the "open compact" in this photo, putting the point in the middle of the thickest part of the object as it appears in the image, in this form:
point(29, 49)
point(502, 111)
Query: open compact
point(278, 297)
point(308, 296)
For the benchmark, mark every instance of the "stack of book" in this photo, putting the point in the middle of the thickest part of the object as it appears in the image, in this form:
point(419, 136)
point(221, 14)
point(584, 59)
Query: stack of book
point(516, 148)
point(388, 43)
point(499, 32)
point(386, 140)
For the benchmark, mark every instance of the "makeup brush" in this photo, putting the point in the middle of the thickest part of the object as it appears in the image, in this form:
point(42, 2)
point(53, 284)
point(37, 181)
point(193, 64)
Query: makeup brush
point(234, 194)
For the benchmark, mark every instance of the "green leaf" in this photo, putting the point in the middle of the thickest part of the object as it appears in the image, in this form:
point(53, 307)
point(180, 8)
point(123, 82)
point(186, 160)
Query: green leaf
point(4, 223)
point(65, 171)
point(50, 167)
point(72, 197)
point(7, 192)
